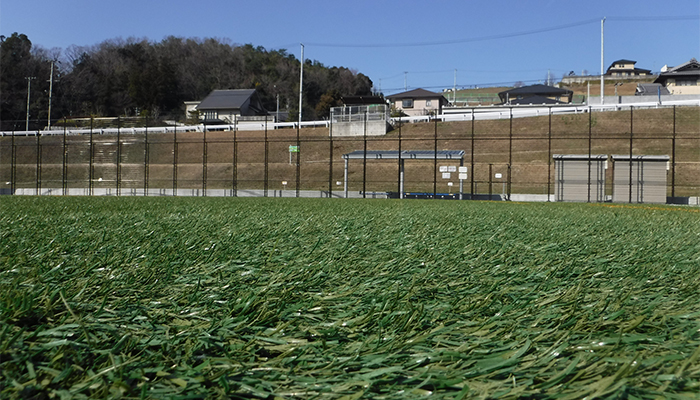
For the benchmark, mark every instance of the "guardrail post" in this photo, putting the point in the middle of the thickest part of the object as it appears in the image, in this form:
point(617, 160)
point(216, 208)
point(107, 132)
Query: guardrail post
point(64, 171)
point(175, 161)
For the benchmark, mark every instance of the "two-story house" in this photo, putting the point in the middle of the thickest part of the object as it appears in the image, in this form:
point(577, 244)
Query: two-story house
point(418, 102)
point(626, 68)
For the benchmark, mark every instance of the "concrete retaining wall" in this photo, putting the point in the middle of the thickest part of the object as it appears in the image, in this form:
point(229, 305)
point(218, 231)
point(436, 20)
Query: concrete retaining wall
point(357, 128)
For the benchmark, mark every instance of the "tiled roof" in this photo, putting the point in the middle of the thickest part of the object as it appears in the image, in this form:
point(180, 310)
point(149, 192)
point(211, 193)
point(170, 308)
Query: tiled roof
point(226, 99)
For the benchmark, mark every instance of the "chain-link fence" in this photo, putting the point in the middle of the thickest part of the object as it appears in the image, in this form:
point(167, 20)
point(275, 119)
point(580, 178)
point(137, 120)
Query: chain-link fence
point(503, 158)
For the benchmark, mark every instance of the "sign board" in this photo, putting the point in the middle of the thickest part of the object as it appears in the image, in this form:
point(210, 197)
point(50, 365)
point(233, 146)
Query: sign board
point(451, 168)
point(443, 168)
point(449, 183)
point(498, 176)
point(462, 170)
point(293, 149)
point(446, 175)
point(463, 176)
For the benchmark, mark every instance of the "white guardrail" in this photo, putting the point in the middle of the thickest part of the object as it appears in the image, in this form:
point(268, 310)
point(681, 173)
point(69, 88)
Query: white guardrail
point(241, 126)
point(449, 114)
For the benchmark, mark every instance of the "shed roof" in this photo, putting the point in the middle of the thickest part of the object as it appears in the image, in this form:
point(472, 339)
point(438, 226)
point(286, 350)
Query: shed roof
point(580, 157)
point(626, 157)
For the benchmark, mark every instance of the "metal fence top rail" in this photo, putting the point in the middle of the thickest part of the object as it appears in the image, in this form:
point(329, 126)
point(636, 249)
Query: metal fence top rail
point(580, 157)
point(623, 157)
point(406, 154)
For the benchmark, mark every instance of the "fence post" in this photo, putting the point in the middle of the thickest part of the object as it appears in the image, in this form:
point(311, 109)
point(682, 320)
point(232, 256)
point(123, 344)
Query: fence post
point(64, 171)
point(38, 163)
point(490, 180)
point(13, 162)
point(234, 182)
point(549, 152)
point(400, 161)
point(435, 151)
point(145, 160)
point(330, 161)
point(631, 146)
point(266, 173)
point(298, 166)
point(589, 157)
point(175, 161)
point(673, 156)
point(364, 158)
point(92, 153)
point(204, 160)
point(472, 187)
point(119, 157)
point(510, 150)
point(509, 181)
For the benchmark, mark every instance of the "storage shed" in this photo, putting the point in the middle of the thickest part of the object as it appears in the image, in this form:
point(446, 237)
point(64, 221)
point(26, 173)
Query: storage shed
point(639, 179)
point(580, 177)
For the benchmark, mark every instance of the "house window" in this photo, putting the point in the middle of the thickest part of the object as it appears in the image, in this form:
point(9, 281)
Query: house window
point(428, 103)
point(686, 82)
point(211, 114)
point(407, 103)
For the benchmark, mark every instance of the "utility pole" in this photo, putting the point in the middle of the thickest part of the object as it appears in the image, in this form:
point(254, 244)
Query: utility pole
point(454, 89)
point(602, 65)
point(29, 87)
point(301, 81)
point(50, 91)
point(277, 113)
point(405, 82)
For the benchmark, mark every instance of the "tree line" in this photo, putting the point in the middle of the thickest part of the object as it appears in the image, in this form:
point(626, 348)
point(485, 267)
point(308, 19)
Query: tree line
point(138, 77)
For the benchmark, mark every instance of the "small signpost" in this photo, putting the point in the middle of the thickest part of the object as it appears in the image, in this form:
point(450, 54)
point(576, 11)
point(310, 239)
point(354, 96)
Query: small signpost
point(462, 177)
point(499, 176)
point(292, 149)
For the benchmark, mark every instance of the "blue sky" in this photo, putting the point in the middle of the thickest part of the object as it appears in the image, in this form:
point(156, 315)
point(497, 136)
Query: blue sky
point(397, 44)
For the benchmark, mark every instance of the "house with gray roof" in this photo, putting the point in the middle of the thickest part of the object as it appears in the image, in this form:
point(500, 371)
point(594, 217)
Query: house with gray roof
point(229, 105)
point(683, 79)
point(626, 68)
point(536, 94)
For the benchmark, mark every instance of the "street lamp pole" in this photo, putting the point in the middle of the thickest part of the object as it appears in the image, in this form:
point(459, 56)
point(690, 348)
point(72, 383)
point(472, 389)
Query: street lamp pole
point(301, 81)
point(50, 91)
point(602, 65)
point(29, 87)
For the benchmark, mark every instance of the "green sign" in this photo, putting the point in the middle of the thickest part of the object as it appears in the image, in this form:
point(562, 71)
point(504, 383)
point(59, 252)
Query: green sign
point(293, 149)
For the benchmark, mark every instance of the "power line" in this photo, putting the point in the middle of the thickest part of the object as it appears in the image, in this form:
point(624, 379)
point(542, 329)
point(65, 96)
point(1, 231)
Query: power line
point(506, 35)
point(657, 18)
point(459, 41)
